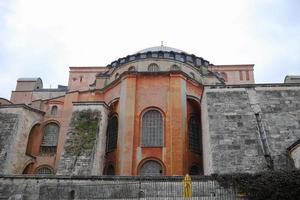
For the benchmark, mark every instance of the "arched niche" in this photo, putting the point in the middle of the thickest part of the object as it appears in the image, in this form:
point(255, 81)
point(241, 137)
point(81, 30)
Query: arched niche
point(34, 140)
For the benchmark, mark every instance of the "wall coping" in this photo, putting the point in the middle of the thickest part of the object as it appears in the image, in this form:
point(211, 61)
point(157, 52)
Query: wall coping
point(22, 106)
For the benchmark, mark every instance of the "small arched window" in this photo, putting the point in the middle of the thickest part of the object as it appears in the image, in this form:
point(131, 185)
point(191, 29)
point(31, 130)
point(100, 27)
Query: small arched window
point(54, 110)
point(153, 67)
point(175, 68)
point(110, 170)
point(117, 75)
point(131, 68)
point(151, 168)
point(192, 75)
point(194, 138)
point(152, 129)
point(112, 134)
point(50, 138)
point(44, 170)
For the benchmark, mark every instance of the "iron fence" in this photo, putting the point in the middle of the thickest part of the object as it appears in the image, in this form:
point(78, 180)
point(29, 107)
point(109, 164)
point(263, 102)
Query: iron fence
point(137, 188)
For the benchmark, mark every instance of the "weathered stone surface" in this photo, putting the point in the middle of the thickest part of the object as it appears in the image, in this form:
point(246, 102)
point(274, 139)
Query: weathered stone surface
point(8, 124)
point(84, 149)
point(15, 125)
point(232, 133)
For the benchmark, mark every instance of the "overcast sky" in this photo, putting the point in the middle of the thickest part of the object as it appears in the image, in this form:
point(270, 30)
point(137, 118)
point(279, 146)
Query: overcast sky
point(42, 38)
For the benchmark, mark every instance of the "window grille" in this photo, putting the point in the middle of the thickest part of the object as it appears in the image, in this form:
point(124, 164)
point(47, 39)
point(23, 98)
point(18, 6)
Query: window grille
point(50, 138)
point(153, 67)
point(151, 168)
point(44, 170)
point(112, 134)
point(194, 139)
point(152, 129)
point(54, 110)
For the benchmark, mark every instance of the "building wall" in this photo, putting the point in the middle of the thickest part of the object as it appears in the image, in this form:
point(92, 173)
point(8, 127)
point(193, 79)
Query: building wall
point(83, 157)
point(16, 124)
point(235, 74)
point(232, 141)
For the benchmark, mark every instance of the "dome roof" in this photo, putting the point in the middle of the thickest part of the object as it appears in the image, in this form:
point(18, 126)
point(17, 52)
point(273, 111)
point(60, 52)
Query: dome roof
point(160, 48)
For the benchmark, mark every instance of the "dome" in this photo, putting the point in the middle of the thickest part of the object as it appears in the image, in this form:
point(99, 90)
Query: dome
point(161, 48)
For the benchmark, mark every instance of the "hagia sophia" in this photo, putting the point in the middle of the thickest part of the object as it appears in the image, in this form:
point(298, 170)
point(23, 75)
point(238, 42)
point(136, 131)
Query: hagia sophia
point(158, 112)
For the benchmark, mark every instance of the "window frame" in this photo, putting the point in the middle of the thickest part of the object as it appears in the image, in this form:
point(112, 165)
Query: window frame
point(42, 139)
point(107, 148)
point(163, 128)
point(193, 115)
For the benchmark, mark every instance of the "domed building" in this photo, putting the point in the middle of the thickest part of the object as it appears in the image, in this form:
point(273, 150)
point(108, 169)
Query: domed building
point(160, 111)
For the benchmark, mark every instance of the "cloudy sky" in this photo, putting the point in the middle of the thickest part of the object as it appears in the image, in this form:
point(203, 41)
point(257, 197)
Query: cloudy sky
point(42, 38)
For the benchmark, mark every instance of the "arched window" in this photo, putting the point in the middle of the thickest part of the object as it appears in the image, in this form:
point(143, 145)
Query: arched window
point(153, 67)
point(194, 139)
point(131, 68)
point(194, 170)
point(175, 68)
point(110, 170)
point(44, 170)
point(151, 168)
point(50, 138)
point(54, 110)
point(117, 75)
point(152, 129)
point(192, 75)
point(112, 134)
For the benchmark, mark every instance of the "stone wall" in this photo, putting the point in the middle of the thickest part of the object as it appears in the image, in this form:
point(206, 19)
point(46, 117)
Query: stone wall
point(84, 147)
point(232, 141)
point(8, 127)
point(16, 122)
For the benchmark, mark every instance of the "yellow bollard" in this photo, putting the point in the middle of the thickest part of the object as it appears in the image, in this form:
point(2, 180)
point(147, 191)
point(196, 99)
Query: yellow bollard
point(187, 186)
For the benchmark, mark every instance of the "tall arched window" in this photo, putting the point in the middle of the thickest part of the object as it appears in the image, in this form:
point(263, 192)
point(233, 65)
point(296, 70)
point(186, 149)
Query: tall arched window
point(112, 134)
point(50, 138)
point(153, 67)
point(151, 168)
point(194, 138)
point(44, 170)
point(54, 110)
point(152, 129)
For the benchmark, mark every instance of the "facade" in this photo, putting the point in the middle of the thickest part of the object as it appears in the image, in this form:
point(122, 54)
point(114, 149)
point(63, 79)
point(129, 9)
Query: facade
point(160, 111)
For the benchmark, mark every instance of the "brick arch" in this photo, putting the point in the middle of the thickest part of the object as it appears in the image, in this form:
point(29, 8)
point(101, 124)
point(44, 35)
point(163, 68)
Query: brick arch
point(34, 140)
point(145, 160)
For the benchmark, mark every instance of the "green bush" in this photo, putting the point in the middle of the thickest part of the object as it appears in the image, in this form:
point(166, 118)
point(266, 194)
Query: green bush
point(269, 185)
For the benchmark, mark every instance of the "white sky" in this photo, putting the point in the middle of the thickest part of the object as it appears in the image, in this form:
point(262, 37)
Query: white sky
point(42, 38)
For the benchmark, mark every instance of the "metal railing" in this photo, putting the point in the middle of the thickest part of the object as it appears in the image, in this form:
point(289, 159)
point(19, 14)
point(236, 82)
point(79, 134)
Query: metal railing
point(138, 188)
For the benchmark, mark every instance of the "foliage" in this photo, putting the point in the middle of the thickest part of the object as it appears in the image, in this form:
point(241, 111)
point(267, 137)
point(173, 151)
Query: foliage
point(84, 135)
point(269, 185)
